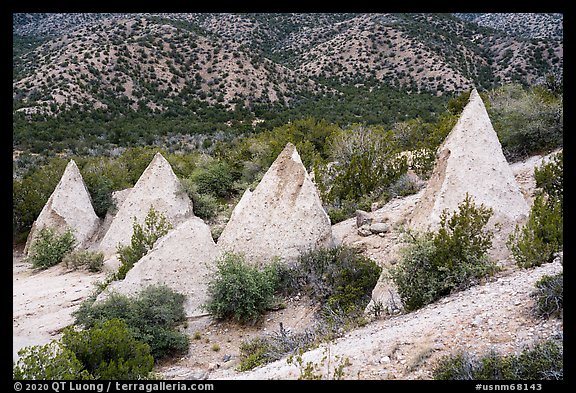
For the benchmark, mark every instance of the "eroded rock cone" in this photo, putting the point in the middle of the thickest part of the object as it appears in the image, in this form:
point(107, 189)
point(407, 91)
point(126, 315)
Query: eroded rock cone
point(283, 217)
point(159, 187)
point(69, 207)
point(183, 260)
point(471, 162)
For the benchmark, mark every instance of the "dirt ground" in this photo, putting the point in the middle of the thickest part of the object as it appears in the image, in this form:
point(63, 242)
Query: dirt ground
point(43, 300)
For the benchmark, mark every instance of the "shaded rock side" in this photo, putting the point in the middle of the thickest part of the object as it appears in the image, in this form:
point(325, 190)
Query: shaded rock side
point(282, 217)
point(69, 206)
point(158, 186)
point(184, 260)
point(471, 161)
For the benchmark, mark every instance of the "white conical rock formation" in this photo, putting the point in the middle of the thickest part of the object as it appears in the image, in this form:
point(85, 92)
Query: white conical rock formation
point(69, 207)
point(471, 162)
point(159, 187)
point(283, 217)
point(183, 260)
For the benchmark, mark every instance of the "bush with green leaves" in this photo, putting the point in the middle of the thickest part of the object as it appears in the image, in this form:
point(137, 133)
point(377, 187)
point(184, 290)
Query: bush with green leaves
point(549, 295)
point(541, 361)
point(206, 206)
point(528, 120)
point(93, 261)
point(153, 317)
point(48, 362)
point(363, 159)
point(143, 239)
point(216, 177)
point(539, 240)
point(258, 351)
point(49, 247)
point(435, 264)
point(101, 194)
point(341, 279)
point(110, 351)
point(240, 291)
point(550, 178)
point(541, 237)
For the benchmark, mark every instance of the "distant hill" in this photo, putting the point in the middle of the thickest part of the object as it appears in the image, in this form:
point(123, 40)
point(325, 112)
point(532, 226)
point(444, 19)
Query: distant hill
point(527, 25)
point(174, 63)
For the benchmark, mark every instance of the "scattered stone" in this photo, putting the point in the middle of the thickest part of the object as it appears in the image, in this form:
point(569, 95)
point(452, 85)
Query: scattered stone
point(364, 230)
point(363, 218)
point(379, 227)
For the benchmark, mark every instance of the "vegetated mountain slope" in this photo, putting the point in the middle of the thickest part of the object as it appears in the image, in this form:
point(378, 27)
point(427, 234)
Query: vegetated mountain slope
point(435, 52)
point(139, 62)
point(165, 61)
point(378, 47)
point(54, 24)
point(281, 37)
point(527, 25)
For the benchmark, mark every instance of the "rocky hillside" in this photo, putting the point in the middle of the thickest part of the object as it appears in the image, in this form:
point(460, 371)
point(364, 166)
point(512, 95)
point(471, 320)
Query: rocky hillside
point(165, 61)
point(142, 62)
point(527, 25)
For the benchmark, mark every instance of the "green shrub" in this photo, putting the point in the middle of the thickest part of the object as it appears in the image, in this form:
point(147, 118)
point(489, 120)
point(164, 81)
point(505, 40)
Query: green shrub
point(49, 247)
point(436, 264)
point(364, 160)
point(110, 351)
point(240, 291)
point(48, 362)
point(155, 226)
point(91, 260)
point(542, 237)
point(542, 361)
point(341, 279)
point(550, 178)
point(206, 206)
point(549, 295)
point(527, 121)
point(214, 178)
point(344, 209)
point(256, 352)
point(100, 189)
point(423, 161)
point(152, 317)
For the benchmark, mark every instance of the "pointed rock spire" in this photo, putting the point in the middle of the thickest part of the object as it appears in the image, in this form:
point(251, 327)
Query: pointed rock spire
point(158, 186)
point(282, 217)
point(471, 162)
point(69, 206)
point(183, 260)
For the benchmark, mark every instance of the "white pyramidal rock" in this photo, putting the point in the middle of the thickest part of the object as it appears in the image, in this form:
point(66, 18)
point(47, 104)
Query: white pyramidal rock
point(69, 207)
point(471, 162)
point(159, 187)
point(183, 260)
point(283, 217)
